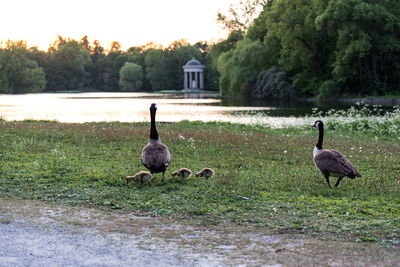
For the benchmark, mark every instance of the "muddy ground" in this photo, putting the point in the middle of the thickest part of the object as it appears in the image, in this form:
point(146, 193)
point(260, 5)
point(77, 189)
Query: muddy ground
point(37, 234)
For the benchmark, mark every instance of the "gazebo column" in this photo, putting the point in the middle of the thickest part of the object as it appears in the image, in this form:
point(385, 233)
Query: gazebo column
point(190, 80)
point(185, 80)
point(202, 80)
point(196, 75)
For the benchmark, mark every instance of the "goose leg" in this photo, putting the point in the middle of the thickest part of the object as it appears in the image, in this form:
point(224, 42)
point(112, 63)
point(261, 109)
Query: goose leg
point(338, 181)
point(163, 177)
point(327, 180)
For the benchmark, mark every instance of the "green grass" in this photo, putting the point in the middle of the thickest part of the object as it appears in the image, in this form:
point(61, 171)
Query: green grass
point(264, 177)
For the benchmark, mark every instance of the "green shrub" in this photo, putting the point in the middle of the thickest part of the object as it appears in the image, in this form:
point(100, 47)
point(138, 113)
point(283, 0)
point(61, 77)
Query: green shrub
point(273, 83)
point(328, 89)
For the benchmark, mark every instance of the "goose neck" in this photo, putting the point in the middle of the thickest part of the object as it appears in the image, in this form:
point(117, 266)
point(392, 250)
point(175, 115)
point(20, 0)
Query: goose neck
point(153, 129)
point(320, 136)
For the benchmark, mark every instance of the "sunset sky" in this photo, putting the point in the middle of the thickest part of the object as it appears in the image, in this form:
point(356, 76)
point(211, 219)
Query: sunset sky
point(131, 22)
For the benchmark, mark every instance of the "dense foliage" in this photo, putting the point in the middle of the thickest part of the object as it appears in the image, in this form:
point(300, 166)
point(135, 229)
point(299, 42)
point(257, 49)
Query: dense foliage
point(75, 65)
point(328, 47)
point(19, 73)
point(272, 83)
point(131, 76)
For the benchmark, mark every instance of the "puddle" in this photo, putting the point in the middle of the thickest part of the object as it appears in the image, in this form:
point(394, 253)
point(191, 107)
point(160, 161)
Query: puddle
point(33, 233)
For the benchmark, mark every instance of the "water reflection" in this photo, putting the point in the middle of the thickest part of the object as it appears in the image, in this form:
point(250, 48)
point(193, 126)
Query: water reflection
point(133, 107)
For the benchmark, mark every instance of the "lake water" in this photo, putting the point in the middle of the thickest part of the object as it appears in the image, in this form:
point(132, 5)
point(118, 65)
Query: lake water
point(134, 107)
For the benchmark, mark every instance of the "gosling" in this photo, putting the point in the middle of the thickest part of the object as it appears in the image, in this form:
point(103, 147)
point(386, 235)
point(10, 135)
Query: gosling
point(182, 173)
point(141, 177)
point(206, 173)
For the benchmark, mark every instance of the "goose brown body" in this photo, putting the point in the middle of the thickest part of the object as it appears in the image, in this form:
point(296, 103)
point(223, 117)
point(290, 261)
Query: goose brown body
point(331, 162)
point(155, 155)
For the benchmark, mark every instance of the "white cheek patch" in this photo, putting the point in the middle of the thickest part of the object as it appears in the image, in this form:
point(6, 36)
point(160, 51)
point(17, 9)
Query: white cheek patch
point(315, 151)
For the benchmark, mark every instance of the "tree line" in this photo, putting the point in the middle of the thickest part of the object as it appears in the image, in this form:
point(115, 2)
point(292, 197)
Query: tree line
point(69, 64)
point(325, 47)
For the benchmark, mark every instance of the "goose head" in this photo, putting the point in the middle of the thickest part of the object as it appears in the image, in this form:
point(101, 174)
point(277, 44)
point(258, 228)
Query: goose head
point(153, 107)
point(318, 124)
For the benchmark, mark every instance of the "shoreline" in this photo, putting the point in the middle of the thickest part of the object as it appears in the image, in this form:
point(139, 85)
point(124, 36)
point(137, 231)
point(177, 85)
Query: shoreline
point(364, 100)
point(367, 99)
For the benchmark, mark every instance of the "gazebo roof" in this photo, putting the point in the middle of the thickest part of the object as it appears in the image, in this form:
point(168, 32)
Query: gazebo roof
point(193, 63)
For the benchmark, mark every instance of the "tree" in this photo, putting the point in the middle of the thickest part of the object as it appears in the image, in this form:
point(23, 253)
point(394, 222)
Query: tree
point(131, 76)
point(367, 44)
point(97, 67)
point(113, 64)
point(240, 16)
point(60, 41)
point(85, 43)
point(156, 70)
point(293, 39)
point(211, 75)
point(115, 47)
point(66, 70)
point(225, 46)
point(137, 55)
point(258, 28)
point(19, 74)
point(32, 78)
point(239, 65)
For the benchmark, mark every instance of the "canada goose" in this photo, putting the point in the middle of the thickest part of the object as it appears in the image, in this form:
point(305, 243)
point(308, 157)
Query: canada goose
point(331, 162)
point(206, 173)
point(141, 177)
point(182, 173)
point(155, 155)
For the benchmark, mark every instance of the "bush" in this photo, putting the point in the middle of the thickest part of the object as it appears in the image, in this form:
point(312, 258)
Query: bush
point(131, 77)
point(328, 89)
point(363, 120)
point(273, 83)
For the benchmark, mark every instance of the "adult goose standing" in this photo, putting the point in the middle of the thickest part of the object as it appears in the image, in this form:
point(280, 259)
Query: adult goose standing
point(155, 155)
point(331, 162)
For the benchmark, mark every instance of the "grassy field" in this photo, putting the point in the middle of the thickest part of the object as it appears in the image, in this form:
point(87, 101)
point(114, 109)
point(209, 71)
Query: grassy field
point(264, 177)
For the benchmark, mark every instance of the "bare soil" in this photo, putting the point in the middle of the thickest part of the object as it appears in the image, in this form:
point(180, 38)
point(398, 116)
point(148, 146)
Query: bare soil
point(34, 233)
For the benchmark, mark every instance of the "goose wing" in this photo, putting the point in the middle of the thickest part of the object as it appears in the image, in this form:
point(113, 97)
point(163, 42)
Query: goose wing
point(155, 154)
point(334, 162)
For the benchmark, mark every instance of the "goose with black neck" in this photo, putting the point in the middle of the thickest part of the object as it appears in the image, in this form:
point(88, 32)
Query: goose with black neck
point(331, 162)
point(155, 155)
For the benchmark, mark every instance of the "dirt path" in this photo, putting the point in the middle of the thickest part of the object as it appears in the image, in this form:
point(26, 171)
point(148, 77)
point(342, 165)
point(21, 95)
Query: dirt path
point(37, 234)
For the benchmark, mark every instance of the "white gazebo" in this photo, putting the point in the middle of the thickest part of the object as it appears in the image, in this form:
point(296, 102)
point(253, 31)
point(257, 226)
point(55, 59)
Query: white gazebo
point(193, 75)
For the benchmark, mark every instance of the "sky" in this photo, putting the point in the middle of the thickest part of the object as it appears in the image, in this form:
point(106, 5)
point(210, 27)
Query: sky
point(130, 22)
